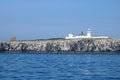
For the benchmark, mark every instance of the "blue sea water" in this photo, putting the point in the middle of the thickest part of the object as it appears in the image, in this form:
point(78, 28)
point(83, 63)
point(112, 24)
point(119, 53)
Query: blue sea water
point(59, 66)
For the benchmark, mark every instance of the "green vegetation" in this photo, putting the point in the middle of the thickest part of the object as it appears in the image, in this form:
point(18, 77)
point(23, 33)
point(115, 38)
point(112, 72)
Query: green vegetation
point(56, 39)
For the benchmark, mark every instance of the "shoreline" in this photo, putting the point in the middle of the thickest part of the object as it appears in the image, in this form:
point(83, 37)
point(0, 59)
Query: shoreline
point(33, 52)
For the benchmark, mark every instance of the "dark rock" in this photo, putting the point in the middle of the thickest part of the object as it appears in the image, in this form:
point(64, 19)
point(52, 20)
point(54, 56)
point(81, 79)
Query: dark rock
point(81, 45)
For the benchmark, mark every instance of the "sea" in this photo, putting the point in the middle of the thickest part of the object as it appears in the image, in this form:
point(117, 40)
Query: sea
point(25, 66)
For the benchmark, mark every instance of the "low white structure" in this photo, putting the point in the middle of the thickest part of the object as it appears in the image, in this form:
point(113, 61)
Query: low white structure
point(71, 36)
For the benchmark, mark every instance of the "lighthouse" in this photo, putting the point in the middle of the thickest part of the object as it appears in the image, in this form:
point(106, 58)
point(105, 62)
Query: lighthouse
point(88, 33)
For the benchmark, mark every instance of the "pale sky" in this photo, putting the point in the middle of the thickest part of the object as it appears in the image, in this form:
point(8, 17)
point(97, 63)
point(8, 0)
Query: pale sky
point(36, 19)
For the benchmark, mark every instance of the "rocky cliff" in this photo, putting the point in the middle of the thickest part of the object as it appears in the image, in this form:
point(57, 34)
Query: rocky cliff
point(59, 46)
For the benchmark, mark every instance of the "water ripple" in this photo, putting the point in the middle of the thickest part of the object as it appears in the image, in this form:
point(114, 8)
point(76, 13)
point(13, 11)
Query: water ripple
point(59, 67)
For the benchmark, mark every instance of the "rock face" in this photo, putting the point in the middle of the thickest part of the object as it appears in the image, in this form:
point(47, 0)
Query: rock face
point(59, 46)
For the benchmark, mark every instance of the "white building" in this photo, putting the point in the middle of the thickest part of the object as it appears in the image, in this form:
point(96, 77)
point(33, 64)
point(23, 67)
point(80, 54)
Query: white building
point(89, 35)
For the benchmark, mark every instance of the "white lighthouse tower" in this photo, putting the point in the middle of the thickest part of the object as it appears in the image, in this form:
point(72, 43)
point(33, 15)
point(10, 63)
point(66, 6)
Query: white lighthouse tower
point(88, 33)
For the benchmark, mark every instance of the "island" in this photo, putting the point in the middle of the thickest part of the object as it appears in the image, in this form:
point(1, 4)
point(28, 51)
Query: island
point(83, 44)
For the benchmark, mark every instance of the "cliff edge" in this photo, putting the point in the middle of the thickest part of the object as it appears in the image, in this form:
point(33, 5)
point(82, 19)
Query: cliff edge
point(62, 46)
